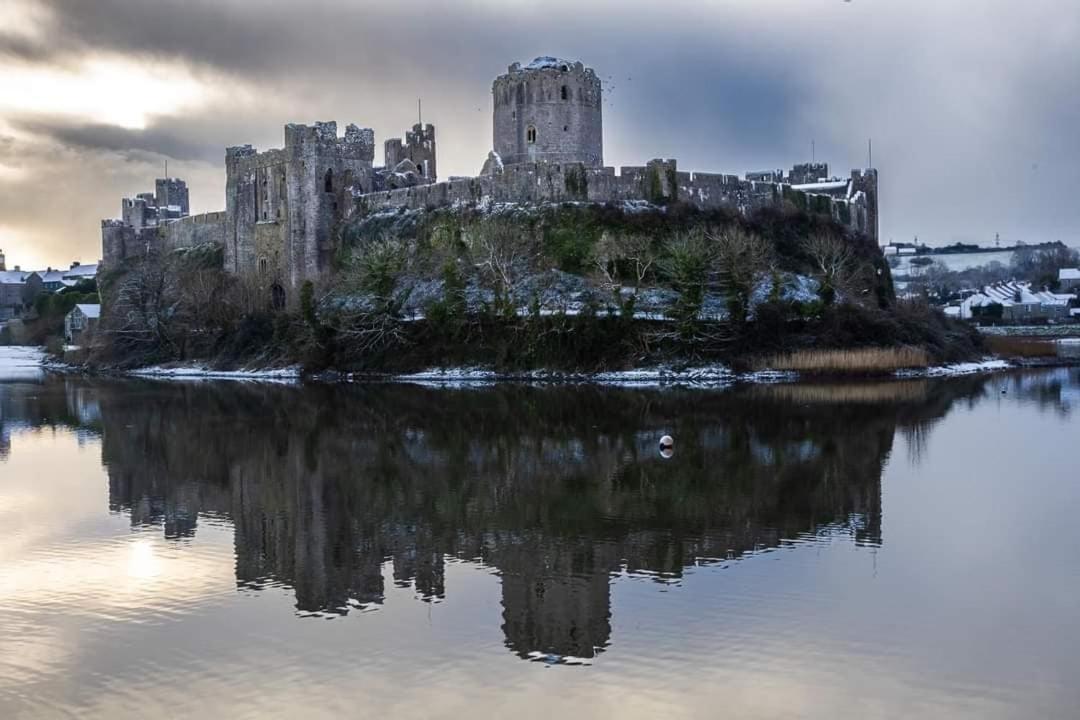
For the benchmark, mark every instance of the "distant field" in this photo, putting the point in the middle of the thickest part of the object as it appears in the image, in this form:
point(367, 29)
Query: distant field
point(957, 262)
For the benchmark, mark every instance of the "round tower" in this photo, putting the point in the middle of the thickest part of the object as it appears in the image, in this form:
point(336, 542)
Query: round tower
point(549, 111)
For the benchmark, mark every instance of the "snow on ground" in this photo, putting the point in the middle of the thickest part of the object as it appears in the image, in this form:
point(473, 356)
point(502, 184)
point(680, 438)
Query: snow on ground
point(287, 375)
point(20, 364)
point(986, 365)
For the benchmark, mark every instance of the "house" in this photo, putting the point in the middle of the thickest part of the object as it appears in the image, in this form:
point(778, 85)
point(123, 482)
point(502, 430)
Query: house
point(17, 292)
point(51, 280)
point(1069, 279)
point(1016, 302)
point(81, 322)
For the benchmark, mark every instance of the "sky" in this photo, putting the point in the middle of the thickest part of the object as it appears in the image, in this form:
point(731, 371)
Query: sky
point(973, 105)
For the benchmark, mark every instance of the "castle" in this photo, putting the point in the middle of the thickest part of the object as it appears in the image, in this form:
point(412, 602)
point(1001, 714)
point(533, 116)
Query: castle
point(282, 206)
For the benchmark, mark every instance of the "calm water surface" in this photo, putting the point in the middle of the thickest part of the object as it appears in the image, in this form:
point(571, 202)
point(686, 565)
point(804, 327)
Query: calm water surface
point(892, 550)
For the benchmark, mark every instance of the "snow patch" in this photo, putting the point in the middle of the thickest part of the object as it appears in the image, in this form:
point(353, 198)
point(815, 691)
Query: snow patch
point(21, 364)
point(195, 372)
point(986, 365)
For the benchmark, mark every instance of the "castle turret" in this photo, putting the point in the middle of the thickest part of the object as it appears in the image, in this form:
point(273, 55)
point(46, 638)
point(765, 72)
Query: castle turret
point(419, 147)
point(548, 111)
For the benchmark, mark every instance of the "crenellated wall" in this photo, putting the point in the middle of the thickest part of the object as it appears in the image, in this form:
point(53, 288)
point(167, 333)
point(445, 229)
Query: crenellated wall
point(120, 240)
point(658, 182)
point(282, 205)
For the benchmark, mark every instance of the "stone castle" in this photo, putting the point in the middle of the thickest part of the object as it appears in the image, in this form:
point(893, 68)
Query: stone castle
point(283, 206)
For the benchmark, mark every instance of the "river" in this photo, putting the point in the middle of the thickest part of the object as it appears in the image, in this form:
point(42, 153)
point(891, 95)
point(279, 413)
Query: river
point(867, 550)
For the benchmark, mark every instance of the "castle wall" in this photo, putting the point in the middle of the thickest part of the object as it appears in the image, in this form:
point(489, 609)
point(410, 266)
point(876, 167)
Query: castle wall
point(658, 182)
point(282, 205)
point(561, 102)
point(192, 231)
point(419, 147)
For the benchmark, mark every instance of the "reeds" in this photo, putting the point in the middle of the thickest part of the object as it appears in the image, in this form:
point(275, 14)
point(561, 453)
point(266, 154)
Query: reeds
point(863, 361)
point(1021, 347)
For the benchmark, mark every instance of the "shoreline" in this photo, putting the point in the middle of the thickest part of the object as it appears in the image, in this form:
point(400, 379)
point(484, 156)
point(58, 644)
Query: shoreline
point(704, 376)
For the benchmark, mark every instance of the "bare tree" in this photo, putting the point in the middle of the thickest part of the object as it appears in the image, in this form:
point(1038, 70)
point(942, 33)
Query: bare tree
point(504, 255)
point(740, 259)
point(636, 252)
point(836, 265)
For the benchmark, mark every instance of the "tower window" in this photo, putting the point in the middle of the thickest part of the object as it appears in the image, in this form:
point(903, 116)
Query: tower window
point(530, 135)
point(566, 128)
point(329, 181)
point(565, 93)
point(264, 266)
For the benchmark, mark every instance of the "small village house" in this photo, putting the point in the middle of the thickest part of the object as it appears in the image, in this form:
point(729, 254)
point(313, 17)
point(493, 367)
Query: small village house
point(1069, 279)
point(1016, 302)
point(81, 323)
point(17, 292)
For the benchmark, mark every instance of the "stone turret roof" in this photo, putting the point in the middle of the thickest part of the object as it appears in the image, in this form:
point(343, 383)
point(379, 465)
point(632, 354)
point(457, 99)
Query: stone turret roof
point(546, 61)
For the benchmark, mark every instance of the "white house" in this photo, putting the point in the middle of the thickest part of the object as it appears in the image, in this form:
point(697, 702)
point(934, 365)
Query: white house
point(81, 322)
point(1018, 303)
point(1069, 279)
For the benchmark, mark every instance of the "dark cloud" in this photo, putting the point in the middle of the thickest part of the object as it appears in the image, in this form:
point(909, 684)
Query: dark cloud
point(157, 140)
point(973, 105)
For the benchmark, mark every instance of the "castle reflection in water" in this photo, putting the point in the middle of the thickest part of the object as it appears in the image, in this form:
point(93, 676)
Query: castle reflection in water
point(557, 489)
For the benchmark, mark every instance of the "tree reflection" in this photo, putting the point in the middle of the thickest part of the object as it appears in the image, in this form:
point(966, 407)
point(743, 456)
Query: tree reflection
point(335, 490)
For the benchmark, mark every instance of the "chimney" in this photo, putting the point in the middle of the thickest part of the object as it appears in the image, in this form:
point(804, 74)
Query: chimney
point(3, 264)
point(74, 265)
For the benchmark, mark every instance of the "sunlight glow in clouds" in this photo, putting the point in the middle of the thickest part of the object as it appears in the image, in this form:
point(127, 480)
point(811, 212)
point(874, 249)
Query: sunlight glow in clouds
point(103, 91)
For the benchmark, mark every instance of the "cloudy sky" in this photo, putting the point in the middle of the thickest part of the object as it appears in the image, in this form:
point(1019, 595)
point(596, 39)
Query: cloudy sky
point(973, 105)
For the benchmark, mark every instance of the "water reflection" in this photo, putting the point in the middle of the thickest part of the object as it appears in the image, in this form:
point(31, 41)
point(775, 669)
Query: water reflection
point(555, 489)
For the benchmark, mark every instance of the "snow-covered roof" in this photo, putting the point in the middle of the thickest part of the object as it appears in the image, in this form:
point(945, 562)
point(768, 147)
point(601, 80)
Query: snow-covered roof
point(1008, 294)
point(820, 186)
point(546, 61)
point(1069, 274)
point(13, 277)
point(90, 311)
point(50, 276)
point(81, 271)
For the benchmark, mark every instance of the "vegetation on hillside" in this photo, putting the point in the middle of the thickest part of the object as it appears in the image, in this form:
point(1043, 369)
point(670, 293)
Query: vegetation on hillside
point(571, 287)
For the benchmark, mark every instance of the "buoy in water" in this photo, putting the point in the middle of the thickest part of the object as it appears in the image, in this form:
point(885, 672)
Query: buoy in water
point(667, 446)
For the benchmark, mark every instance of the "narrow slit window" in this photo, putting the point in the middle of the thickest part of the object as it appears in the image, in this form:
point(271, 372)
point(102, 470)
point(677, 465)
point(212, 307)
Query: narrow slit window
point(530, 135)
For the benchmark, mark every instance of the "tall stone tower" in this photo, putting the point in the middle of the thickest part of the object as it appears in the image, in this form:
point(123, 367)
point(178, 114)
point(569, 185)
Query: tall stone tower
point(549, 111)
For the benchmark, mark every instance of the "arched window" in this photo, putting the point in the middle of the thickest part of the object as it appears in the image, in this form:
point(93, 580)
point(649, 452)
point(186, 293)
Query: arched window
point(530, 135)
point(328, 183)
point(277, 297)
point(565, 93)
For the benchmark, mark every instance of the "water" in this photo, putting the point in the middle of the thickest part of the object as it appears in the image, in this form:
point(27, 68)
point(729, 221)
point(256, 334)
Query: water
point(883, 550)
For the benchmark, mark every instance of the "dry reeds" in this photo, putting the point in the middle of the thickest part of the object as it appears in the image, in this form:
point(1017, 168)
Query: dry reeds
point(848, 393)
point(1021, 347)
point(863, 361)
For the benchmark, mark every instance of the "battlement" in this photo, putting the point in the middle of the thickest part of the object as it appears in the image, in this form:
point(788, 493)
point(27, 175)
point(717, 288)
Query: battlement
point(550, 110)
point(240, 151)
point(808, 173)
point(358, 143)
point(210, 218)
point(658, 182)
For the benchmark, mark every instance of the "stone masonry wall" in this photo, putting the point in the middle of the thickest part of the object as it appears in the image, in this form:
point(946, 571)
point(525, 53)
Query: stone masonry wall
point(548, 111)
point(658, 182)
point(120, 240)
point(282, 205)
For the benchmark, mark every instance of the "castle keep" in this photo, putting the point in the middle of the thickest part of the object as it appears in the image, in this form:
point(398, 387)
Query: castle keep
point(283, 206)
point(548, 111)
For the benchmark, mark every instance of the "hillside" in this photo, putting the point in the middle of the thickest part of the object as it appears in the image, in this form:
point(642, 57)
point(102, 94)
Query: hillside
point(571, 287)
